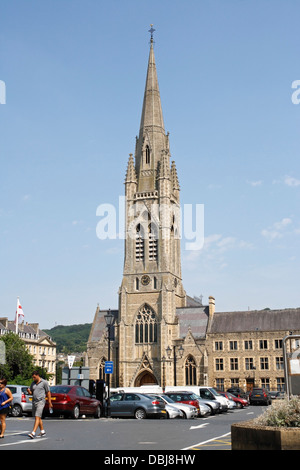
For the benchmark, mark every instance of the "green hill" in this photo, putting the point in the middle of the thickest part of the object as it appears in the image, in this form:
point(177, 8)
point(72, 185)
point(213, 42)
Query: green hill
point(71, 338)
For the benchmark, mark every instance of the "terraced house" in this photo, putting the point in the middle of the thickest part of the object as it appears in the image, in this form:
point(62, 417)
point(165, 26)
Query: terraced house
point(38, 343)
point(160, 334)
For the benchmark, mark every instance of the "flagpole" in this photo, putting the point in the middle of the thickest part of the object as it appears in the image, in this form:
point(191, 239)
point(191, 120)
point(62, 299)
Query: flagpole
point(17, 316)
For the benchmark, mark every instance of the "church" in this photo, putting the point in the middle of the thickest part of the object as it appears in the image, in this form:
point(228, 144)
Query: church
point(160, 335)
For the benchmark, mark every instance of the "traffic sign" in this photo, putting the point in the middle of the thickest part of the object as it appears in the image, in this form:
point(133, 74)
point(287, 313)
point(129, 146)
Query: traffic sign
point(71, 360)
point(108, 367)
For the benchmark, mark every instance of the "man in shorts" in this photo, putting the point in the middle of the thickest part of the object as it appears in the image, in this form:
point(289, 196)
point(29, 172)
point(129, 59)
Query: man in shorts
point(39, 389)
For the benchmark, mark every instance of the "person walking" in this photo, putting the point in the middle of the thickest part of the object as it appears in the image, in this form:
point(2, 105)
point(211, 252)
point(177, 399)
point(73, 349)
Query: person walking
point(39, 389)
point(5, 399)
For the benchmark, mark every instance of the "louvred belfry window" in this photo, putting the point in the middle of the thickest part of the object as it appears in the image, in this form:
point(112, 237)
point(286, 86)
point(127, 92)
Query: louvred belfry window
point(139, 244)
point(152, 243)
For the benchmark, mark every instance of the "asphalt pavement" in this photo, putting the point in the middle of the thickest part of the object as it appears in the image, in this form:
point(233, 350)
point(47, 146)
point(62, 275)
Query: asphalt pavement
point(109, 435)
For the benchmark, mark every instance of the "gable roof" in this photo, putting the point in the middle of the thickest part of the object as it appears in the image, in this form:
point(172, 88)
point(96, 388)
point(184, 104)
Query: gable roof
point(256, 320)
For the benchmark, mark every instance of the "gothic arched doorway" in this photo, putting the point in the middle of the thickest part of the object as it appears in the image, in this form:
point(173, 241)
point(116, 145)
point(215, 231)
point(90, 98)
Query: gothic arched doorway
point(145, 378)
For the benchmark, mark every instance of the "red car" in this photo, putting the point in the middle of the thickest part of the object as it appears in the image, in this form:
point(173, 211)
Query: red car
point(189, 398)
point(73, 401)
point(240, 402)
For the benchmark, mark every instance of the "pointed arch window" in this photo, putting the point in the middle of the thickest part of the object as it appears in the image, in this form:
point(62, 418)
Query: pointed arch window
point(139, 243)
point(152, 233)
point(147, 155)
point(146, 326)
point(102, 368)
point(190, 371)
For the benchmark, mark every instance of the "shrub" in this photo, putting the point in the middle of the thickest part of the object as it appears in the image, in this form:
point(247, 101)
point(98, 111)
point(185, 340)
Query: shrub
point(282, 413)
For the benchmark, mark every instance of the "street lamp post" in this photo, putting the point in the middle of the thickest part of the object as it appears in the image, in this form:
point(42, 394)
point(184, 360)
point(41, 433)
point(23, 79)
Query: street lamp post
point(109, 320)
point(169, 351)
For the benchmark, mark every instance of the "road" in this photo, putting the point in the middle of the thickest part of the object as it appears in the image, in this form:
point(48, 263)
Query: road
point(211, 433)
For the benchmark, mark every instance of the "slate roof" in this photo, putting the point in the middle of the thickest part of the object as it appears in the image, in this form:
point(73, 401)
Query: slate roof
point(256, 320)
point(99, 325)
point(194, 316)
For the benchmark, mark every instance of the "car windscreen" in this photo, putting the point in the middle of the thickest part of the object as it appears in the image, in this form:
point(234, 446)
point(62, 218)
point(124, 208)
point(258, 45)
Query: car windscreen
point(59, 389)
point(168, 399)
point(214, 392)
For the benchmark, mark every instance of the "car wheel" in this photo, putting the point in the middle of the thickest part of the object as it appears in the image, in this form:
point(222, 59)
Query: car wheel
point(75, 412)
point(184, 415)
point(140, 414)
point(97, 414)
point(16, 411)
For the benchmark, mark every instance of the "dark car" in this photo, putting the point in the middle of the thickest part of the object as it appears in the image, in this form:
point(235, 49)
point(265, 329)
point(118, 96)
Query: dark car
point(137, 405)
point(73, 401)
point(260, 396)
point(237, 392)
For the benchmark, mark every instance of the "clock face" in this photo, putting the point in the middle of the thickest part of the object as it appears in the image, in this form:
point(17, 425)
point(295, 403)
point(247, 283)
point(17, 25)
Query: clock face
point(145, 280)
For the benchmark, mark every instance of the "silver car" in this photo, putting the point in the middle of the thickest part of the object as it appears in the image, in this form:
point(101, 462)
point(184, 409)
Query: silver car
point(188, 411)
point(22, 402)
point(137, 405)
point(213, 405)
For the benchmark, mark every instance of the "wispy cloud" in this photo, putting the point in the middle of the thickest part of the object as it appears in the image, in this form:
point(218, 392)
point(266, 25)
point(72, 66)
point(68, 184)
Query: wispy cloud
point(214, 248)
point(291, 181)
point(277, 230)
point(255, 183)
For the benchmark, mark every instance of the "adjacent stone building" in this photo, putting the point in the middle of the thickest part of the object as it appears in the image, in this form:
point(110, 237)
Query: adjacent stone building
point(161, 335)
point(38, 343)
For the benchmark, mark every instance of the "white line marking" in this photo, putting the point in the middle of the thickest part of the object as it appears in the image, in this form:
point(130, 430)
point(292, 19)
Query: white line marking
point(23, 442)
point(205, 442)
point(200, 426)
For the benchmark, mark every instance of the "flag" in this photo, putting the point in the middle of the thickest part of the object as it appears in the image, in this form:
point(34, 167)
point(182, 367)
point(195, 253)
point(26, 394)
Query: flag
point(19, 314)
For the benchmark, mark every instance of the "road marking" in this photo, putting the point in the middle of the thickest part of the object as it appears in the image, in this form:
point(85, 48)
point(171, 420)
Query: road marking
point(23, 442)
point(200, 426)
point(205, 442)
point(147, 442)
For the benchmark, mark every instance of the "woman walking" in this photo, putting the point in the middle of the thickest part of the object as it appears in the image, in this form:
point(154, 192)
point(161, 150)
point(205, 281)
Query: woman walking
point(5, 399)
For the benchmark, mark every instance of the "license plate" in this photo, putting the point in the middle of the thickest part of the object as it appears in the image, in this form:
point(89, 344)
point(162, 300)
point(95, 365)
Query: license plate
point(257, 396)
point(52, 398)
point(163, 411)
point(30, 398)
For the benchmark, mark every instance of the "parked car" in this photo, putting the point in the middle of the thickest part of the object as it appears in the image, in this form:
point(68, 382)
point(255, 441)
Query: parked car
point(237, 392)
point(240, 402)
point(73, 401)
point(206, 393)
point(22, 402)
point(137, 405)
point(188, 411)
point(190, 398)
point(275, 395)
point(260, 396)
point(172, 410)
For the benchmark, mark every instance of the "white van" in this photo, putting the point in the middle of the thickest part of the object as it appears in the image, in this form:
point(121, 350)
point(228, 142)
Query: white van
point(204, 392)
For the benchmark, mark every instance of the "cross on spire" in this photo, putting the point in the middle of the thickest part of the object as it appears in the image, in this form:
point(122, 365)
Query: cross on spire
point(151, 31)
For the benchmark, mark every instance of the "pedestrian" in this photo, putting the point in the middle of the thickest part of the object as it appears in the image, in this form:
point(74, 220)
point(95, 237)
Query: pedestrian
point(5, 399)
point(39, 389)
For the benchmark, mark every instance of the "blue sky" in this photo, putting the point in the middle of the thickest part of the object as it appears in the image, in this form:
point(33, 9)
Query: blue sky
point(75, 73)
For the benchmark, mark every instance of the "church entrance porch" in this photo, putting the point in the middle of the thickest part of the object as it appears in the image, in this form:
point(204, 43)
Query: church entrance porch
point(145, 378)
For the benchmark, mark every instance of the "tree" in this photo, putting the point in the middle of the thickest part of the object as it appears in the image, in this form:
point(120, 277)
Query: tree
point(19, 363)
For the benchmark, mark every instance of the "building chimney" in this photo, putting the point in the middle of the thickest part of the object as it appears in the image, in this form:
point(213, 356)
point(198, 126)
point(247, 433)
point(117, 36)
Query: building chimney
point(211, 306)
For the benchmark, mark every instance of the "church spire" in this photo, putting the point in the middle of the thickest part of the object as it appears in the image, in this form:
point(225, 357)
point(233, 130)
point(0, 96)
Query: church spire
point(152, 140)
point(152, 116)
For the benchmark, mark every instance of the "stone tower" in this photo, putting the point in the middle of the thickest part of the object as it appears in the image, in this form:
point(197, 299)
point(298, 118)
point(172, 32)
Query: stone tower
point(151, 288)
